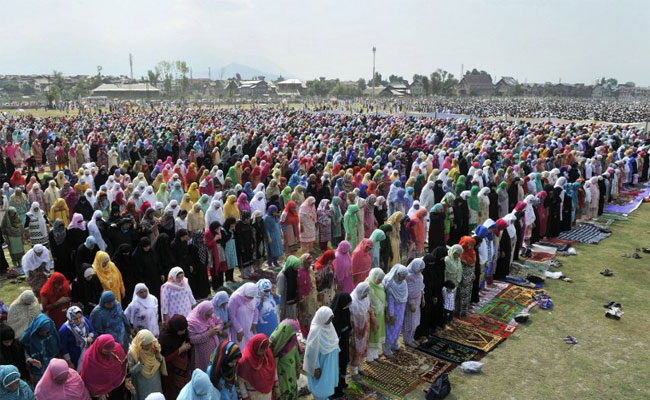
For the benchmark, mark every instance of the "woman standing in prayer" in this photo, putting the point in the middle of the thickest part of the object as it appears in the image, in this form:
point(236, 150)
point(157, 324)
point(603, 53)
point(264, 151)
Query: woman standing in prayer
point(341, 310)
point(342, 266)
point(242, 309)
point(362, 260)
point(377, 294)
point(76, 336)
point(377, 237)
point(87, 289)
point(11, 351)
point(108, 317)
point(434, 276)
point(396, 298)
point(220, 305)
point(245, 244)
point(324, 213)
point(204, 328)
point(228, 244)
point(11, 386)
point(108, 275)
point(350, 225)
point(36, 262)
point(286, 351)
point(307, 298)
point(337, 221)
point(418, 233)
point(103, 369)
point(23, 311)
point(415, 284)
point(324, 277)
point(322, 355)
point(36, 223)
point(453, 265)
point(308, 218)
point(256, 370)
point(142, 312)
point(267, 302)
point(289, 221)
point(287, 282)
point(55, 298)
point(199, 388)
point(146, 365)
point(222, 369)
point(361, 317)
point(272, 235)
point(61, 382)
point(12, 229)
point(60, 250)
point(395, 220)
point(41, 343)
point(175, 347)
point(176, 295)
point(468, 260)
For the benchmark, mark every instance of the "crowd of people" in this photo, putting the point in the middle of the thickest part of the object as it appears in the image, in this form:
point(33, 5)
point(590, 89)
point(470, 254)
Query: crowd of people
point(608, 110)
point(206, 254)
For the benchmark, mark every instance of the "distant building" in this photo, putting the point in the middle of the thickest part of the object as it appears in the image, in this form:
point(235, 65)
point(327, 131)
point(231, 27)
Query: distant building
point(630, 92)
point(127, 91)
point(417, 88)
point(475, 85)
point(290, 87)
point(254, 89)
point(506, 86)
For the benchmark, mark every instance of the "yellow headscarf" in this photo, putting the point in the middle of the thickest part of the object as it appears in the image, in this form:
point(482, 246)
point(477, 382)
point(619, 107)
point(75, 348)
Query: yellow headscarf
point(156, 182)
point(60, 210)
point(109, 276)
point(186, 203)
point(230, 208)
point(193, 191)
point(148, 358)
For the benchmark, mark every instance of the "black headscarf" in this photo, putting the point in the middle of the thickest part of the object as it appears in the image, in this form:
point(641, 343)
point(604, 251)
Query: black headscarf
point(341, 313)
point(14, 354)
point(169, 339)
point(86, 292)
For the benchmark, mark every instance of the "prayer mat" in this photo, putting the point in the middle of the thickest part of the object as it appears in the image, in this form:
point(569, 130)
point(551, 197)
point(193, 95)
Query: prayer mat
point(518, 294)
point(528, 267)
point(258, 274)
point(556, 241)
point(540, 256)
point(448, 350)
point(607, 216)
point(501, 309)
point(388, 379)
point(586, 233)
point(488, 294)
point(469, 336)
point(361, 391)
point(488, 324)
point(411, 361)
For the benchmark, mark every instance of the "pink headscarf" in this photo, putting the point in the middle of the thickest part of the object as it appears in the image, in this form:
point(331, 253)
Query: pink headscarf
point(77, 222)
point(197, 323)
point(72, 388)
point(342, 265)
point(242, 203)
point(102, 373)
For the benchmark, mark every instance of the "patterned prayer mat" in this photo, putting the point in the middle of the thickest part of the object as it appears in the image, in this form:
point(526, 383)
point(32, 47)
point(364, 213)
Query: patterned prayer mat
point(389, 379)
point(448, 350)
point(487, 295)
point(501, 309)
point(488, 324)
point(518, 294)
point(540, 256)
point(523, 268)
point(470, 336)
point(361, 391)
point(557, 241)
point(586, 233)
point(414, 362)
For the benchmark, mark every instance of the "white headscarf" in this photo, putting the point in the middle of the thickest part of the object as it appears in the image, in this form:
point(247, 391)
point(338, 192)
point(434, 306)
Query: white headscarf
point(322, 339)
point(36, 213)
point(143, 312)
point(93, 230)
point(359, 306)
point(214, 213)
point(414, 208)
point(259, 202)
point(31, 261)
point(398, 289)
point(148, 195)
point(427, 198)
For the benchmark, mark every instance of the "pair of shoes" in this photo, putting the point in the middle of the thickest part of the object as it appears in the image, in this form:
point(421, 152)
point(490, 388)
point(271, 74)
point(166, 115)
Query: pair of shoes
point(636, 256)
point(614, 312)
point(646, 250)
point(607, 272)
point(570, 340)
point(612, 304)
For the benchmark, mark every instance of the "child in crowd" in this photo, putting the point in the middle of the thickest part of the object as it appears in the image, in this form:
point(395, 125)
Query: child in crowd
point(449, 297)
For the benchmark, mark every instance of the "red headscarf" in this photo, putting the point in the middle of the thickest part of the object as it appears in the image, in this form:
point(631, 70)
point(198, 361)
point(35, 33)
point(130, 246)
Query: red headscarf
point(256, 369)
point(361, 260)
point(324, 259)
point(469, 254)
point(102, 373)
point(292, 213)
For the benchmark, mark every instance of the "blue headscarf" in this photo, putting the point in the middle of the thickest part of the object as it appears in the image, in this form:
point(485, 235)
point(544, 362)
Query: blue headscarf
point(42, 348)
point(294, 181)
point(218, 300)
point(110, 320)
point(8, 375)
point(199, 388)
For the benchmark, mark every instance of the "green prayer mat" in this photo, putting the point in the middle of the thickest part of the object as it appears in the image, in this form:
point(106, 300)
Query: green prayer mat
point(501, 309)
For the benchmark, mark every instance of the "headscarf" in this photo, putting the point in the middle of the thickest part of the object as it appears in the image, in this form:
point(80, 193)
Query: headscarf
point(359, 306)
point(109, 276)
point(169, 339)
point(150, 364)
point(93, 230)
point(220, 364)
point(22, 311)
point(199, 388)
point(8, 375)
point(102, 373)
point(47, 347)
point(219, 299)
point(198, 324)
point(258, 370)
point(398, 289)
point(469, 254)
point(230, 208)
point(150, 302)
point(322, 339)
point(77, 222)
point(32, 260)
point(283, 339)
point(72, 388)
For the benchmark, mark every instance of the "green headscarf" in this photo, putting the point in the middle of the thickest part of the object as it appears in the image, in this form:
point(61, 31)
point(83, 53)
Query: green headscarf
point(286, 363)
point(472, 202)
point(460, 184)
point(350, 222)
point(336, 209)
point(502, 185)
point(286, 194)
point(378, 301)
point(453, 266)
point(377, 236)
point(292, 262)
point(232, 174)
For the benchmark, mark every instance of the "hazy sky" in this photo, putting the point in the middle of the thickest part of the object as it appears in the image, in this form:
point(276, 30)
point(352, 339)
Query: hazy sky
point(531, 40)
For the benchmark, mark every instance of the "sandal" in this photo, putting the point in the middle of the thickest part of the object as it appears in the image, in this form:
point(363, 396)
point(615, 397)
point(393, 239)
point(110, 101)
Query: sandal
point(568, 280)
point(607, 272)
point(636, 256)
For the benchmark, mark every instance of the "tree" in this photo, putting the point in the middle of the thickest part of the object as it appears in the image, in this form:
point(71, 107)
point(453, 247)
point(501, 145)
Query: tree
point(377, 80)
point(341, 90)
point(517, 90)
point(442, 83)
point(165, 71)
point(426, 86)
point(238, 77)
point(361, 84)
point(395, 79)
point(321, 87)
point(11, 88)
point(183, 69)
point(153, 77)
point(280, 79)
point(27, 89)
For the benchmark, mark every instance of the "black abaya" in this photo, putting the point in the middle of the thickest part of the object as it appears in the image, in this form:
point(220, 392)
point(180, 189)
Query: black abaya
point(86, 291)
point(434, 276)
point(123, 261)
point(343, 328)
point(148, 270)
point(503, 261)
point(436, 230)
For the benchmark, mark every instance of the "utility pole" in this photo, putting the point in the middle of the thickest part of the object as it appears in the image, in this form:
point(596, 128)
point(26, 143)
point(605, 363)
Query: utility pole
point(462, 70)
point(209, 74)
point(131, 64)
point(374, 51)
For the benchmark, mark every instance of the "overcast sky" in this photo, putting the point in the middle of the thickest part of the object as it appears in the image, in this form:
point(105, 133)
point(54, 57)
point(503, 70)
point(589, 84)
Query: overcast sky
point(531, 40)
